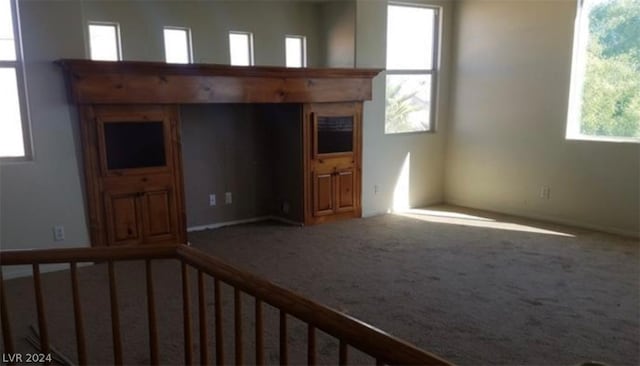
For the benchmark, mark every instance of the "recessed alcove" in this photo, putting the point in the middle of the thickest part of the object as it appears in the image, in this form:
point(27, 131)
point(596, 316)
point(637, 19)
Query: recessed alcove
point(253, 151)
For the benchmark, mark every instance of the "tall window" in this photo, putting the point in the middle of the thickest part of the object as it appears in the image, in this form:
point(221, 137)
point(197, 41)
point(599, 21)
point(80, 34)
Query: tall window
point(605, 77)
point(14, 132)
point(241, 48)
point(104, 41)
point(296, 51)
point(412, 64)
point(177, 45)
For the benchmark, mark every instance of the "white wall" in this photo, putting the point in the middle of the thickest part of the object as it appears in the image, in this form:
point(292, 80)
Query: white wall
point(384, 155)
point(508, 123)
point(339, 31)
point(48, 191)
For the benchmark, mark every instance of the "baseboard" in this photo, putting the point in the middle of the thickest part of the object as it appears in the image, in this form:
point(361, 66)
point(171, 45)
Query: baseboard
point(217, 225)
point(552, 220)
point(285, 221)
point(10, 272)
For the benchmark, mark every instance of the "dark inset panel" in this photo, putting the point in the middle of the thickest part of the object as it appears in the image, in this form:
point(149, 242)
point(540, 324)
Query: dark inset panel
point(335, 134)
point(131, 145)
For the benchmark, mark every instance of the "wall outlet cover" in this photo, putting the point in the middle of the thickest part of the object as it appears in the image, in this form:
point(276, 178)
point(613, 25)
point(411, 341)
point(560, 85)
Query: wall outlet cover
point(228, 199)
point(58, 233)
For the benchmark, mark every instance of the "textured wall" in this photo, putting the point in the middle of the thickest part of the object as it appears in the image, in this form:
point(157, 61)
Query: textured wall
point(507, 132)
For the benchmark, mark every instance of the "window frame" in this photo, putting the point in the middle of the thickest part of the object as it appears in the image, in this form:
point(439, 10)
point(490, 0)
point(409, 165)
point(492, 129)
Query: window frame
point(303, 51)
point(116, 25)
point(249, 45)
point(21, 81)
point(189, 42)
point(433, 72)
point(576, 83)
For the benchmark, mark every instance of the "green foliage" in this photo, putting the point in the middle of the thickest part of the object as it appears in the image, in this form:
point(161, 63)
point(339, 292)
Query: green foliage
point(400, 104)
point(611, 95)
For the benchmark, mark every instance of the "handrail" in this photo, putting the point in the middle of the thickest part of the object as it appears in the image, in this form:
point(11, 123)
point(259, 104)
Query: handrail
point(354, 332)
point(100, 254)
point(385, 348)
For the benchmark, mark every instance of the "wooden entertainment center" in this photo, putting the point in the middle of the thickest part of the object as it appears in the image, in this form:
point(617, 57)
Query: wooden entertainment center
point(130, 134)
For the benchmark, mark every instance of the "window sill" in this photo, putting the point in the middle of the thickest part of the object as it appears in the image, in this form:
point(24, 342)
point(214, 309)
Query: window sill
point(633, 140)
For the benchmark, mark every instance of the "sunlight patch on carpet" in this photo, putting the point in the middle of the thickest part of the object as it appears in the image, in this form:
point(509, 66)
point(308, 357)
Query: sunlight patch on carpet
point(455, 218)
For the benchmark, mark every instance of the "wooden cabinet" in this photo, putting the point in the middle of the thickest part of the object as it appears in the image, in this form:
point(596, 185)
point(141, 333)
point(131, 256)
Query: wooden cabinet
point(332, 155)
point(134, 176)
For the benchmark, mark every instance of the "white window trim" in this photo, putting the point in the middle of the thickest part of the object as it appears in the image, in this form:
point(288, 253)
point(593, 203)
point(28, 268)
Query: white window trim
point(189, 41)
point(18, 66)
point(304, 47)
point(576, 85)
point(250, 34)
point(118, 38)
point(434, 71)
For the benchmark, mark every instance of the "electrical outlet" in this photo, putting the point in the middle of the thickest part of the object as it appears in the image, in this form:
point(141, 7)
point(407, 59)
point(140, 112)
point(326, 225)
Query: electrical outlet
point(58, 233)
point(545, 192)
point(227, 198)
point(212, 200)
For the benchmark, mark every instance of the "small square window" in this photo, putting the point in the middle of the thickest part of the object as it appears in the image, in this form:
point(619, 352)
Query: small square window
point(177, 45)
point(241, 48)
point(104, 41)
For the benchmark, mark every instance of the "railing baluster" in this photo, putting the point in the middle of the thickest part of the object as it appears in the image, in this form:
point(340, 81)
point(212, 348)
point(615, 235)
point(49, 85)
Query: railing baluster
point(202, 314)
point(77, 313)
point(115, 316)
point(218, 321)
point(42, 317)
point(4, 316)
point(343, 353)
point(259, 334)
point(237, 324)
point(186, 312)
point(151, 315)
point(284, 356)
point(311, 345)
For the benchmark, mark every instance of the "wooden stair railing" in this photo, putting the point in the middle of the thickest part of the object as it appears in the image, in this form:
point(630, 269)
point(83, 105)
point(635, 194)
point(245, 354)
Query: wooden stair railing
point(350, 332)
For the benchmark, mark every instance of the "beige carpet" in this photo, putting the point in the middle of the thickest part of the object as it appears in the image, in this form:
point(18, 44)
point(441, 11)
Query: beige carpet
point(480, 289)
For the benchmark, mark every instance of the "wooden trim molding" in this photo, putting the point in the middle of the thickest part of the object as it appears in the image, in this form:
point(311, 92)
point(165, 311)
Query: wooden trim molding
point(137, 82)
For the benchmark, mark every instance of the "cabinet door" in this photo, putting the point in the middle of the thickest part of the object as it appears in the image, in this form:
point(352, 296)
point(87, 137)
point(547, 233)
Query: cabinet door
point(123, 218)
point(323, 194)
point(345, 190)
point(158, 215)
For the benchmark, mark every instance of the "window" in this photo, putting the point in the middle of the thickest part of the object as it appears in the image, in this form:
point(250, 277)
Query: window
point(14, 128)
point(241, 48)
point(104, 41)
point(604, 102)
point(296, 51)
point(177, 45)
point(412, 62)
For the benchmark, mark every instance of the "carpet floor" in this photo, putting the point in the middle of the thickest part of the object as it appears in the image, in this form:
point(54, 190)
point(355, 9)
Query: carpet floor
point(473, 287)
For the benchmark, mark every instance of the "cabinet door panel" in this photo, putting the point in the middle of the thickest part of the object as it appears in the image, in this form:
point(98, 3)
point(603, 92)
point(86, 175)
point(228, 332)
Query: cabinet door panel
point(158, 212)
point(123, 218)
point(345, 190)
point(323, 194)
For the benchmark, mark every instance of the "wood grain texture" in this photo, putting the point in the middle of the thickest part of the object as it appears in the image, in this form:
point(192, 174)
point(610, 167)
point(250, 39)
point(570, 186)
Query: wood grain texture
point(42, 316)
point(77, 315)
point(202, 320)
point(7, 336)
point(131, 82)
point(151, 315)
point(115, 315)
point(186, 316)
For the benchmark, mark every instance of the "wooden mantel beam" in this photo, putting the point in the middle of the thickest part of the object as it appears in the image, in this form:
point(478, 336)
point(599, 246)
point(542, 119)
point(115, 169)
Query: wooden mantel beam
point(136, 82)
